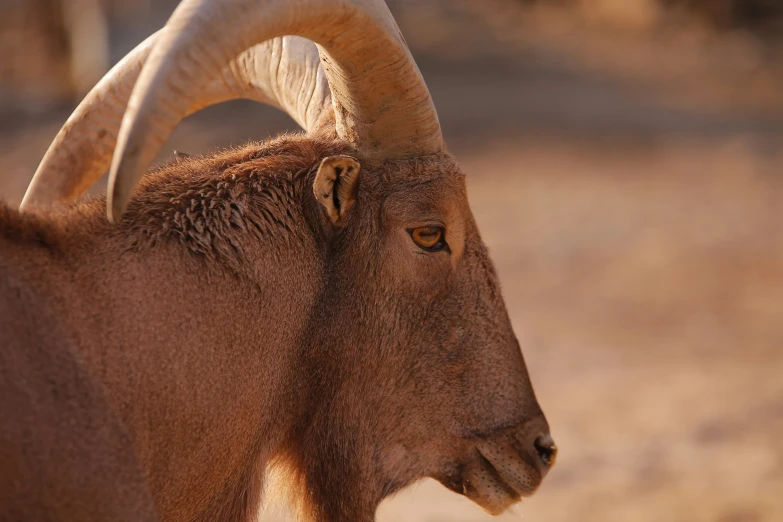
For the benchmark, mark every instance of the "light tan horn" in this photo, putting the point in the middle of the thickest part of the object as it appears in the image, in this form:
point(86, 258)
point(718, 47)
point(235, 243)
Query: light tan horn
point(283, 72)
point(381, 103)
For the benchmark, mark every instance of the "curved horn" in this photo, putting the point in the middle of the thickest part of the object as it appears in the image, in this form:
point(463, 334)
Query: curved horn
point(284, 72)
point(381, 103)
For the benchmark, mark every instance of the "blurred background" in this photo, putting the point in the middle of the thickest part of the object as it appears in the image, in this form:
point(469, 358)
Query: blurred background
point(624, 162)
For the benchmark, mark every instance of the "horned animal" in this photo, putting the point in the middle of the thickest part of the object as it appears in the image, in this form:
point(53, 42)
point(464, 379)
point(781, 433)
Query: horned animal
point(320, 306)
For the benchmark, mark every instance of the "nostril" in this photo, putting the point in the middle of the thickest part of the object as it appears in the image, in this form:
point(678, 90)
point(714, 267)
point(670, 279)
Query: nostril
point(546, 449)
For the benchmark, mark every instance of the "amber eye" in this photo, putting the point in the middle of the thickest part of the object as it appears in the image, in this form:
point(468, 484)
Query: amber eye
point(429, 238)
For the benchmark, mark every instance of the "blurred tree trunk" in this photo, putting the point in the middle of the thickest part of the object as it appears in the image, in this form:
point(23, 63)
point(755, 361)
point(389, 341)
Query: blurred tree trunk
point(53, 50)
point(88, 38)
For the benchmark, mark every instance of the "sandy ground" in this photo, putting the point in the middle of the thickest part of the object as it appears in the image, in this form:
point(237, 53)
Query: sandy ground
point(640, 247)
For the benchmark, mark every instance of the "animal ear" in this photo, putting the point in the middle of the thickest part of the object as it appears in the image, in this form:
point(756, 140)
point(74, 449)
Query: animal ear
point(335, 186)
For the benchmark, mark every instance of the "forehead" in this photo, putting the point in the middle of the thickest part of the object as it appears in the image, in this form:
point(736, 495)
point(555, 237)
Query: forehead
point(421, 188)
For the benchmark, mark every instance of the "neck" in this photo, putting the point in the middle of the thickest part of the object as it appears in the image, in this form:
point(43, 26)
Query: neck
point(191, 315)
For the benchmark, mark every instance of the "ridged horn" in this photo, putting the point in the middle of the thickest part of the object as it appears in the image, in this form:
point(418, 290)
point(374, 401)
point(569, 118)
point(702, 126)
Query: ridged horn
point(283, 72)
point(380, 101)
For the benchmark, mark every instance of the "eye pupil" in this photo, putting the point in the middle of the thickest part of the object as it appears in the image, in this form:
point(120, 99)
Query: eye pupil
point(428, 238)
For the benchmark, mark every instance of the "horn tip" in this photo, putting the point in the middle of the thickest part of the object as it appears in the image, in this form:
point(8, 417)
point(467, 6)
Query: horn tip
point(25, 204)
point(114, 209)
point(115, 203)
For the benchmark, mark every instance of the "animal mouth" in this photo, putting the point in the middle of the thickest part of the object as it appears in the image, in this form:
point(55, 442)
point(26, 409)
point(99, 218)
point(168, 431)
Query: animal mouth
point(495, 479)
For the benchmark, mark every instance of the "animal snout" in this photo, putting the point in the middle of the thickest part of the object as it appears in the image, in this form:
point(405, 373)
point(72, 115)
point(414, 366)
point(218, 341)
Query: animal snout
point(546, 450)
point(509, 464)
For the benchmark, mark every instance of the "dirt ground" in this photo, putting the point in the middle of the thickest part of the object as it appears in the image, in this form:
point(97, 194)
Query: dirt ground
point(639, 242)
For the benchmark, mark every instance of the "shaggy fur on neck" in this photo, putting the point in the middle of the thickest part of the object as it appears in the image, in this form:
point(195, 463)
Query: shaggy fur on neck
point(209, 205)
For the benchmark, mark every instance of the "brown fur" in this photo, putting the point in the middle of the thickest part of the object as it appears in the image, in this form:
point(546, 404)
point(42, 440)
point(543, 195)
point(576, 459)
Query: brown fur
point(227, 325)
